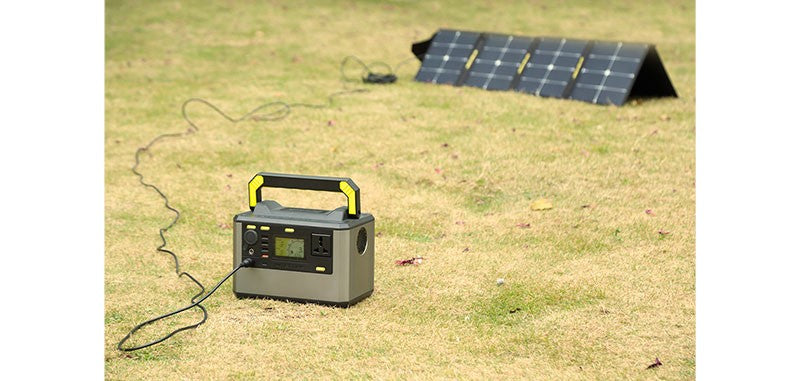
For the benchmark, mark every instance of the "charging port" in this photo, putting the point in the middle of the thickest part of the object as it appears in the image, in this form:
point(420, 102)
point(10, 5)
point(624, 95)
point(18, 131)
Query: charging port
point(321, 245)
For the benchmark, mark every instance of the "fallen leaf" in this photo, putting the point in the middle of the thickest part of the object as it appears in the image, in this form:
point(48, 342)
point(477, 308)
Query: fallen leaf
point(662, 232)
point(331, 123)
point(515, 310)
point(445, 145)
point(523, 225)
point(224, 226)
point(655, 364)
point(230, 175)
point(541, 204)
point(410, 261)
point(379, 234)
point(460, 222)
point(586, 206)
point(466, 249)
point(649, 212)
point(438, 170)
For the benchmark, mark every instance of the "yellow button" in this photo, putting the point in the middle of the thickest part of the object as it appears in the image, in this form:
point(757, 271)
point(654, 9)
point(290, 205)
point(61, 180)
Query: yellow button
point(265, 228)
point(251, 226)
point(289, 230)
point(320, 269)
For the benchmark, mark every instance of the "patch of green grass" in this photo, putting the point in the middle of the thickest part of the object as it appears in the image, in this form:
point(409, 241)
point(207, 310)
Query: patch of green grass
point(513, 304)
point(416, 233)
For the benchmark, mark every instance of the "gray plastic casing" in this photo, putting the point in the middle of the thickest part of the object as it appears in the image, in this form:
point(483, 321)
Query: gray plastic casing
point(351, 280)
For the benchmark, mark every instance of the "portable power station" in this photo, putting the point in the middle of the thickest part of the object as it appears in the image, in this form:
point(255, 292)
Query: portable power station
point(304, 255)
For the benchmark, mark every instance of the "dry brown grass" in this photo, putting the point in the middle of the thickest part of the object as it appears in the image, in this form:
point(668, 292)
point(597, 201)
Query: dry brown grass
point(601, 293)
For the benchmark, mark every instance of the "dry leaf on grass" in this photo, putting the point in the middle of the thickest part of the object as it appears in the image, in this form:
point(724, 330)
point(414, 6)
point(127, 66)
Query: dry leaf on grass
point(655, 364)
point(541, 204)
point(410, 261)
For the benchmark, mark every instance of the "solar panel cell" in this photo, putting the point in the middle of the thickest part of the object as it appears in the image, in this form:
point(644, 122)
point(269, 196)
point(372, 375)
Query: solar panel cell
point(608, 72)
point(549, 71)
point(496, 64)
point(446, 57)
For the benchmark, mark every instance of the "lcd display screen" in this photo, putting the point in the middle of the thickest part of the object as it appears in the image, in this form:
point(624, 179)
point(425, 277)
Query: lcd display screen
point(290, 247)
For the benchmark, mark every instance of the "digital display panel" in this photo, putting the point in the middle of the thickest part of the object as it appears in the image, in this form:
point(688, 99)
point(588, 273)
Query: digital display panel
point(290, 247)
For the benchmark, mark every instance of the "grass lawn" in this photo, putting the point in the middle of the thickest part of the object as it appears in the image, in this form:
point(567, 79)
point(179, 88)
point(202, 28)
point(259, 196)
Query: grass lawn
point(449, 174)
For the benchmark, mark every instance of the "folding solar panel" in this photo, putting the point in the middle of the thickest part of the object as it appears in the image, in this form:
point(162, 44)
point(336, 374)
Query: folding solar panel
point(592, 71)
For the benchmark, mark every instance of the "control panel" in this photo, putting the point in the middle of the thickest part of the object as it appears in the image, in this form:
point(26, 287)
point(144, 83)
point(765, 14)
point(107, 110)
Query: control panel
point(290, 248)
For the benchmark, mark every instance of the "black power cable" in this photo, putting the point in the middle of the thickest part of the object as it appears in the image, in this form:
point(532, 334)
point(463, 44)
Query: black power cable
point(245, 263)
point(369, 75)
point(281, 110)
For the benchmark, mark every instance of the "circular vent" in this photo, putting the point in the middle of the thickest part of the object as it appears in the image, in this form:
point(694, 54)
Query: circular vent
point(361, 242)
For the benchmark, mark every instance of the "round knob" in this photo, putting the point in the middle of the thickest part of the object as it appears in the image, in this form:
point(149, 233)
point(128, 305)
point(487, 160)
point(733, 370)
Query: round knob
point(250, 237)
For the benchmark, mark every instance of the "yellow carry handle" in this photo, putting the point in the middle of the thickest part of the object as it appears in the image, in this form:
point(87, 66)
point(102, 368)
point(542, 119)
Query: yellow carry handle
point(316, 183)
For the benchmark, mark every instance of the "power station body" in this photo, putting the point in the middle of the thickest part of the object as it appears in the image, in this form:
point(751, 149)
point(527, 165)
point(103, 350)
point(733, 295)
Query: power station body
point(304, 255)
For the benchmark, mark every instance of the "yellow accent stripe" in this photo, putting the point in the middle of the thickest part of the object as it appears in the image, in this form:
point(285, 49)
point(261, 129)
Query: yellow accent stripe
point(320, 269)
point(251, 226)
point(289, 230)
point(471, 59)
point(351, 197)
point(265, 228)
point(577, 68)
point(254, 186)
point(524, 61)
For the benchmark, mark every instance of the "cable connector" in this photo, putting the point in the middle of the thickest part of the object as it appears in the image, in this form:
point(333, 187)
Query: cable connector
point(248, 262)
point(382, 79)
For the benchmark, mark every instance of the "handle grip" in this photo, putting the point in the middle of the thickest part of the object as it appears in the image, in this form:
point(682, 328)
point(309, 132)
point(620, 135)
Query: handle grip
point(316, 183)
